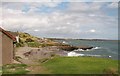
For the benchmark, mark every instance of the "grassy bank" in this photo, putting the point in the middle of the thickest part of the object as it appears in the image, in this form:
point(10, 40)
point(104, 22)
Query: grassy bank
point(15, 69)
point(81, 65)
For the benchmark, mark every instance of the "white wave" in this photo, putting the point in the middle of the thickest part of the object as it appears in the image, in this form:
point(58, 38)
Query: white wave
point(83, 50)
point(74, 54)
point(109, 56)
point(93, 55)
point(79, 50)
point(95, 48)
point(64, 42)
point(77, 54)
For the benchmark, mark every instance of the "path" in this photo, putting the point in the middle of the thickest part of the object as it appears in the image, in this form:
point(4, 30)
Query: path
point(34, 67)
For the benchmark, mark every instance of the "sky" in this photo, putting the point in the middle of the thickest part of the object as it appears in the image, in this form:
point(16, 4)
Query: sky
point(88, 19)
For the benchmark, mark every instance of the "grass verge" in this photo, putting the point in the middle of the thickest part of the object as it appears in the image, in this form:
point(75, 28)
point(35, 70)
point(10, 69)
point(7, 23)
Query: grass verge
point(15, 69)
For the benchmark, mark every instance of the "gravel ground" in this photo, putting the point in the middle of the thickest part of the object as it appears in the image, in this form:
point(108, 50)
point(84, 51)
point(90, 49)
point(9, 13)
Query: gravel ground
point(28, 54)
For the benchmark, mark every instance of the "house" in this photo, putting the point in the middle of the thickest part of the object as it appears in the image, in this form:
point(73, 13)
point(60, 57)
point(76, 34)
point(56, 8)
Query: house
point(6, 47)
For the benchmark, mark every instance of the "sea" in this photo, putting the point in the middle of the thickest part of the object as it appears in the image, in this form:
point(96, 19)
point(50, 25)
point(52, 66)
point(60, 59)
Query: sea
point(102, 48)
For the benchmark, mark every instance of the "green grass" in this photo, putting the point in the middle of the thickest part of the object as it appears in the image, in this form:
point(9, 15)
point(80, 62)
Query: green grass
point(81, 65)
point(33, 44)
point(0, 70)
point(15, 69)
point(38, 44)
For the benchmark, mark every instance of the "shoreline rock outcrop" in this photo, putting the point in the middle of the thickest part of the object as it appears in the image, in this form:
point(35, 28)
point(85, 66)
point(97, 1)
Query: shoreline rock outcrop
point(85, 47)
point(68, 48)
point(71, 48)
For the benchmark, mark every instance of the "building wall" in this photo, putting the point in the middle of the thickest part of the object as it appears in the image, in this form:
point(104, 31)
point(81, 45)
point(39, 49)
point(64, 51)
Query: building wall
point(0, 48)
point(7, 50)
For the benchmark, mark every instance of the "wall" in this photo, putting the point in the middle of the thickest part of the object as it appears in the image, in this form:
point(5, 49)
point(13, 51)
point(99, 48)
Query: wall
point(7, 50)
point(0, 48)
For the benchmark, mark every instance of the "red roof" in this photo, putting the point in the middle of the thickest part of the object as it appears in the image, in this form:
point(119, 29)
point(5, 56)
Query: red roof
point(8, 34)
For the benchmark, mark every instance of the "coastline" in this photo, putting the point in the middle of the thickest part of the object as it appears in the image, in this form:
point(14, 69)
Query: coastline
point(36, 53)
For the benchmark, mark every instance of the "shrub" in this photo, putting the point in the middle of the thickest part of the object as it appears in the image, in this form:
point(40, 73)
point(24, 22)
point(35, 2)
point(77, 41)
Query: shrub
point(17, 58)
point(43, 60)
point(19, 44)
point(110, 71)
point(29, 40)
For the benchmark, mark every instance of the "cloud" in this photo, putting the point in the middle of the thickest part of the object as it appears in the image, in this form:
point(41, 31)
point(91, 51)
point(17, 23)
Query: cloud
point(82, 6)
point(32, 1)
point(36, 30)
point(113, 5)
point(92, 30)
point(60, 0)
point(87, 21)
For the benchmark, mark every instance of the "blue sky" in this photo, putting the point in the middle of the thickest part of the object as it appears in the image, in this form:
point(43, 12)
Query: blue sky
point(46, 9)
point(62, 19)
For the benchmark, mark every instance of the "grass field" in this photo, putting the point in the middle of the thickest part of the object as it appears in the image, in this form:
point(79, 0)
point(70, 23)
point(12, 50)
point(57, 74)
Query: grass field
point(81, 65)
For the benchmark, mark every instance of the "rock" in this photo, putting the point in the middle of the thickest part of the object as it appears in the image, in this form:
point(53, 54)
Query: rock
point(27, 53)
point(16, 62)
point(85, 47)
point(71, 48)
point(68, 48)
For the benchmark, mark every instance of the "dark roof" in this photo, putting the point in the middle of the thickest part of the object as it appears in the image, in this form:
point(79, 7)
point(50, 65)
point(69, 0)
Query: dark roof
point(8, 34)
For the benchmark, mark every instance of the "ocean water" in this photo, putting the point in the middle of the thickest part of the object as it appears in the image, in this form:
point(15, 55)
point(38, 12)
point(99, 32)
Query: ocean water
point(102, 48)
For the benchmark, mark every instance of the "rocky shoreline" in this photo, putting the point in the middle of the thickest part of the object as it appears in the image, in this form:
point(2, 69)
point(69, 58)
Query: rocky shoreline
point(43, 48)
point(71, 48)
point(45, 53)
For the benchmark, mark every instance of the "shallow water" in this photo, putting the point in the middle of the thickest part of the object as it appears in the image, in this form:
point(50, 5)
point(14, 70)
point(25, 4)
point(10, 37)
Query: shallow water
point(105, 48)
